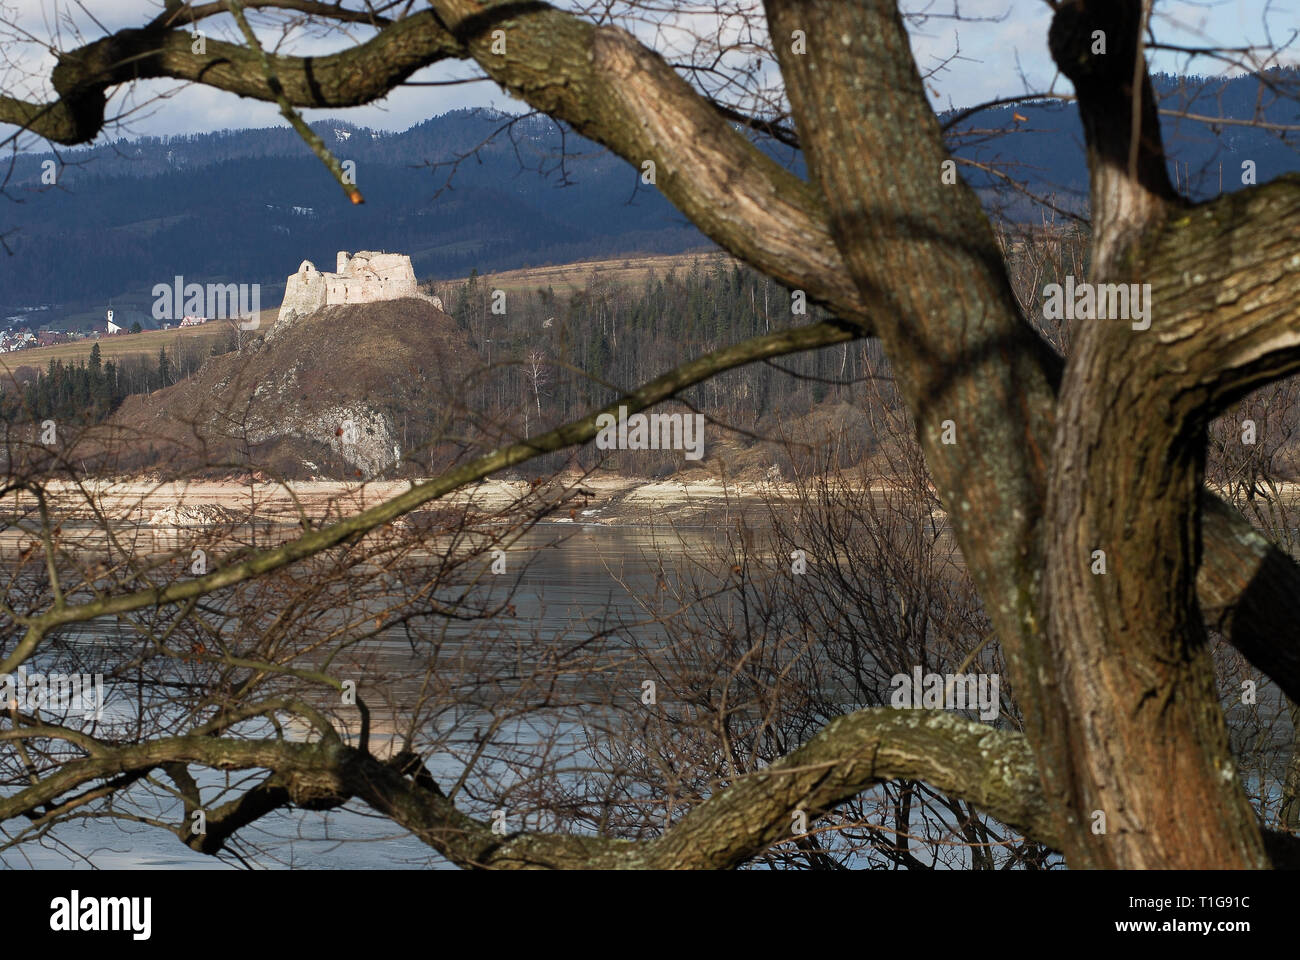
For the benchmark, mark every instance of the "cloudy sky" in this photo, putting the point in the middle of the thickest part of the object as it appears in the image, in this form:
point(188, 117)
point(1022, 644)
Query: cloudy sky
point(1001, 47)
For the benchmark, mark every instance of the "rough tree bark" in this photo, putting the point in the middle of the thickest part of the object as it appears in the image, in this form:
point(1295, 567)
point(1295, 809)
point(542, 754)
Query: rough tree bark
point(1137, 732)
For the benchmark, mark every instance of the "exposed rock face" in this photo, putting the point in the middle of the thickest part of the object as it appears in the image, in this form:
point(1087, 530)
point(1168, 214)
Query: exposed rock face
point(358, 434)
point(194, 515)
point(367, 277)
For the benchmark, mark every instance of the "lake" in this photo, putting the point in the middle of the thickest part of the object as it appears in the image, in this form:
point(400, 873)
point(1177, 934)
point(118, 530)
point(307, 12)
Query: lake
point(569, 574)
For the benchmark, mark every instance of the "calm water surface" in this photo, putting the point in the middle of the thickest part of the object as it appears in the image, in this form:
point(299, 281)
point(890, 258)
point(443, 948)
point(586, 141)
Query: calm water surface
point(571, 581)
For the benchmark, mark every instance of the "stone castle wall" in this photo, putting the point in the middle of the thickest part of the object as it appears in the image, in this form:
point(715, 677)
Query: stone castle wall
point(367, 277)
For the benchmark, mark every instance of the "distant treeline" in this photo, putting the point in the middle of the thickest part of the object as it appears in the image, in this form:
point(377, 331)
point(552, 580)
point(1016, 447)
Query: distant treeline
point(87, 392)
point(551, 358)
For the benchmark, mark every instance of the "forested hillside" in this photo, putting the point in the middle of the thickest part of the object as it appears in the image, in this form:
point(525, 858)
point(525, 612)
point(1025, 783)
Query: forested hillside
point(248, 205)
point(439, 386)
point(550, 358)
point(86, 392)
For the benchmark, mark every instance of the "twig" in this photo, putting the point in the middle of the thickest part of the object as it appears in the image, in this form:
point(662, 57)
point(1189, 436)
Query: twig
point(286, 109)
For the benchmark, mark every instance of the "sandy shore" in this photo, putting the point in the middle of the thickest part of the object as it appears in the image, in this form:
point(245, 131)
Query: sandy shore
point(609, 500)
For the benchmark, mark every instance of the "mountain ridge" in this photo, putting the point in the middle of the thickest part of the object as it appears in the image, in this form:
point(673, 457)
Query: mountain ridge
point(247, 206)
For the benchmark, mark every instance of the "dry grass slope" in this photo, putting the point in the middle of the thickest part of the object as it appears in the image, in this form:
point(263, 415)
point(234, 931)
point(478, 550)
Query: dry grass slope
point(568, 277)
point(146, 343)
point(280, 404)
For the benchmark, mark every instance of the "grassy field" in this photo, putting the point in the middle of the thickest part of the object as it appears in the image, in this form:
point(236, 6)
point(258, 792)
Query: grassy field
point(563, 278)
point(568, 277)
point(121, 345)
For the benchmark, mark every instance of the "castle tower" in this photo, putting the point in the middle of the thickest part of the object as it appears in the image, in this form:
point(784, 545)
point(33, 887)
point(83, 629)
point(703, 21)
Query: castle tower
point(368, 276)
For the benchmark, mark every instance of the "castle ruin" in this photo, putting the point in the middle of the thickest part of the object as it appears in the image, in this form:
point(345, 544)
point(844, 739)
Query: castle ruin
point(366, 277)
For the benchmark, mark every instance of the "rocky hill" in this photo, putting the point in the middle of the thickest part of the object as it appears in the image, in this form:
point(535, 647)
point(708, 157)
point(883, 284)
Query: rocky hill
point(356, 390)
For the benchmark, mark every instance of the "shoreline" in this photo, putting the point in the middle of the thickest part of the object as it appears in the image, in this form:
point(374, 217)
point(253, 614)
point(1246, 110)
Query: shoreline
point(571, 499)
point(615, 501)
